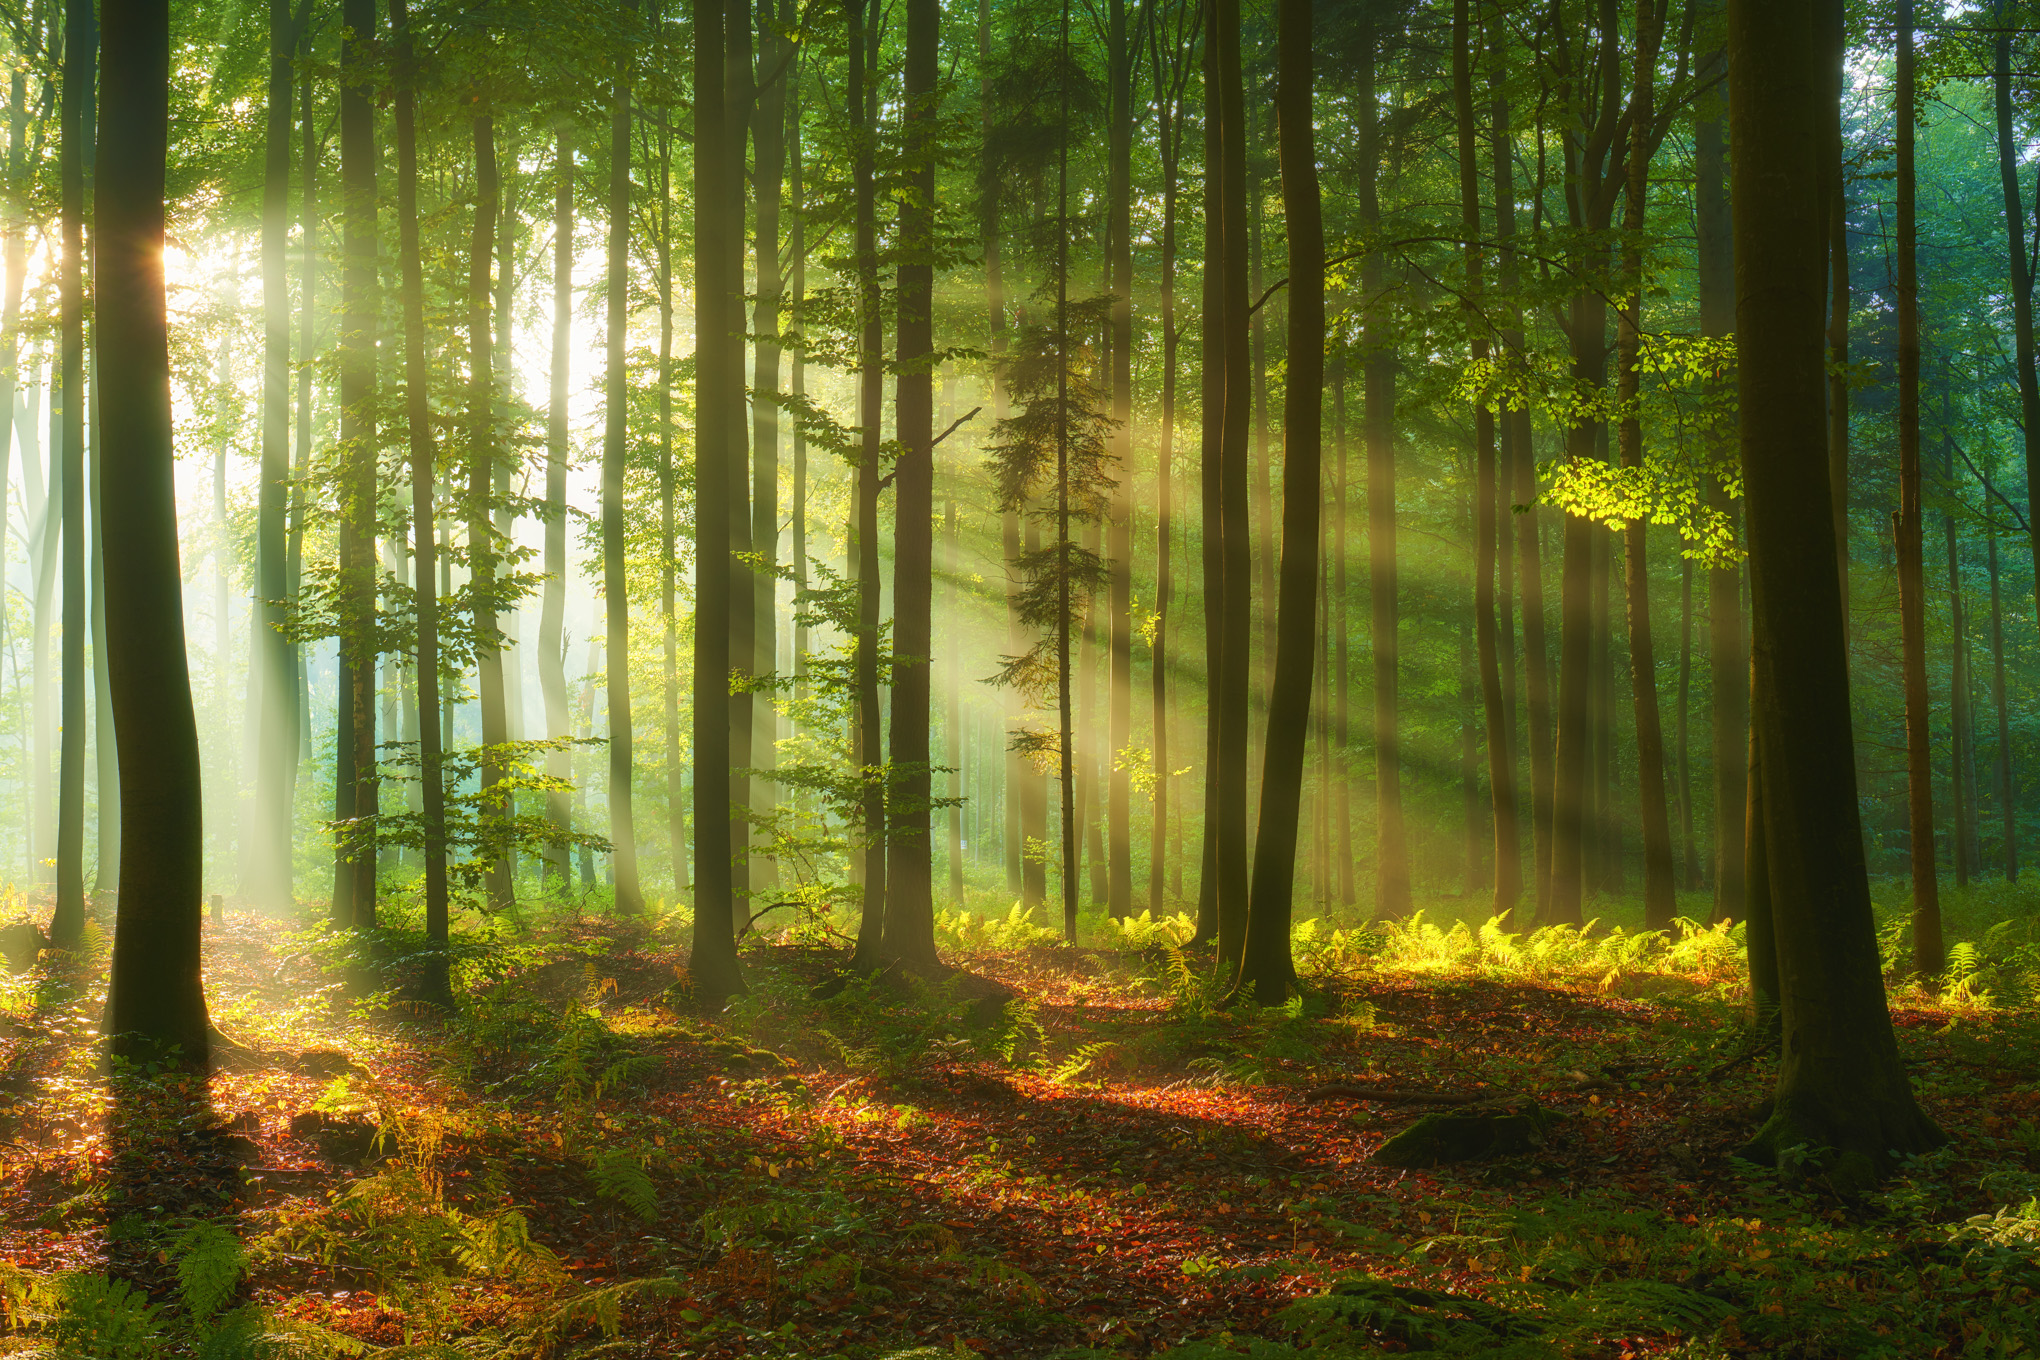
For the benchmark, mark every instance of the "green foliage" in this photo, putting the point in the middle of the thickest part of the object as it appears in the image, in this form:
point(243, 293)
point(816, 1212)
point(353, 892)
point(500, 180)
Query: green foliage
point(619, 1174)
point(210, 1263)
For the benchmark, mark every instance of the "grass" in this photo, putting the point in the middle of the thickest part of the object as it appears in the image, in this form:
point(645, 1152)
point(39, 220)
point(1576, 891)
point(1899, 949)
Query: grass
point(1057, 1152)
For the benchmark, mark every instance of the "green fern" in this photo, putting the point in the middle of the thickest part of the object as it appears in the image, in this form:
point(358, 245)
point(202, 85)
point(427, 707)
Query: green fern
point(210, 1263)
point(620, 1175)
point(1079, 1062)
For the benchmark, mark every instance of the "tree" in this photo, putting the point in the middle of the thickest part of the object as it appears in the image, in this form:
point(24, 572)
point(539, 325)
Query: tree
point(156, 997)
point(498, 885)
point(615, 600)
point(1266, 963)
point(1841, 1085)
point(552, 646)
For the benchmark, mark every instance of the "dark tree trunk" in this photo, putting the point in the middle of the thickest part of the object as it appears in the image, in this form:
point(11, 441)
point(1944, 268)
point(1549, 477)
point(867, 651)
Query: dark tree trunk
point(1210, 454)
point(2026, 376)
point(871, 396)
point(1229, 187)
point(424, 457)
point(1391, 858)
point(910, 904)
point(356, 792)
point(1841, 1084)
point(552, 606)
point(156, 997)
point(1689, 853)
point(1908, 527)
point(1508, 876)
point(615, 429)
point(768, 135)
point(1267, 966)
point(713, 960)
point(81, 49)
point(2002, 767)
point(1119, 529)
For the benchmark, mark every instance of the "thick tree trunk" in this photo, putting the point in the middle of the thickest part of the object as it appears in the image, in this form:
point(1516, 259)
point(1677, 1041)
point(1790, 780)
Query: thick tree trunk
point(1908, 527)
point(910, 904)
point(1266, 965)
point(713, 959)
point(1841, 1083)
point(1834, 66)
point(424, 458)
point(156, 998)
point(615, 429)
point(356, 794)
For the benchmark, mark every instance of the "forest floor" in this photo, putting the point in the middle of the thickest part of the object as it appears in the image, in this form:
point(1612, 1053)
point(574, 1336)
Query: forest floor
point(1054, 1152)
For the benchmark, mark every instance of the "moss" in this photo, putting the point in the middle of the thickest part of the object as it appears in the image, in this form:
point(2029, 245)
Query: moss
point(1462, 1136)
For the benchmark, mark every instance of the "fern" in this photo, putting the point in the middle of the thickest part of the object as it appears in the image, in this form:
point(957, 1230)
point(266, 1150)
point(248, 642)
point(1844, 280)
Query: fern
point(210, 1263)
point(500, 1244)
point(90, 1317)
point(1079, 1062)
point(621, 1176)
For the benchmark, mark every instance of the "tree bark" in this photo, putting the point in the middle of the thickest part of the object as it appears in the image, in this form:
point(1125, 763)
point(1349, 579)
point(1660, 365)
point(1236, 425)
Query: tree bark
point(713, 959)
point(1266, 964)
point(615, 429)
point(1908, 533)
point(156, 997)
point(768, 135)
point(497, 884)
point(909, 877)
point(1211, 443)
point(1119, 528)
point(1508, 863)
point(424, 460)
point(1841, 1083)
point(81, 48)
point(552, 606)
point(2002, 767)
point(2025, 373)
point(356, 793)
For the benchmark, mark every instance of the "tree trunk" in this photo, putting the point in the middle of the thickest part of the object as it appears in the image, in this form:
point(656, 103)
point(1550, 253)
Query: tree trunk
point(2025, 374)
point(272, 680)
point(713, 959)
point(1833, 23)
point(1228, 191)
point(1660, 904)
point(1842, 1086)
point(1508, 876)
point(356, 794)
point(2002, 767)
point(81, 48)
point(669, 560)
point(870, 743)
point(1266, 965)
point(1961, 725)
point(1342, 814)
point(1170, 133)
point(1689, 852)
point(953, 719)
point(768, 134)
point(1907, 531)
point(424, 460)
point(1211, 443)
point(552, 608)
point(156, 997)
point(615, 428)
point(1391, 860)
point(1119, 528)
point(498, 886)
point(310, 147)
point(909, 877)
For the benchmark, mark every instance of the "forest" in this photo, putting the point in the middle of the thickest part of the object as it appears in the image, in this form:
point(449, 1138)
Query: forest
point(1036, 678)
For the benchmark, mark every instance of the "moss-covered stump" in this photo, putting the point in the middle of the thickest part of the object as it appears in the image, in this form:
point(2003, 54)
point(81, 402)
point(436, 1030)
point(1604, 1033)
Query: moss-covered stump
point(1466, 1136)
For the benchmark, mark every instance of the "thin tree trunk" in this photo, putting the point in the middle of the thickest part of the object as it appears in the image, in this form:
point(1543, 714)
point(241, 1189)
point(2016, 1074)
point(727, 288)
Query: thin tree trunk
point(81, 48)
point(424, 460)
point(1119, 527)
point(909, 875)
point(356, 795)
point(1228, 191)
point(953, 721)
point(1211, 371)
point(1660, 903)
point(1907, 529)
point(669, 561)
point(1508, 864)
point(615, 428)
point(1266, 963)
point(713, 959)
point(310, 146)
point(1689, 852)
point(1391, 860)
point(2003, 765)
point(2026, 375)
point(498, 885)
point(552, 609)
point(768, 133)
point(156, 997)
point(1961, 726)
point(1342, 678)
point(1842, 1086)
